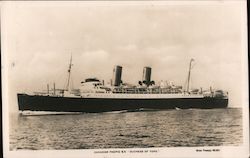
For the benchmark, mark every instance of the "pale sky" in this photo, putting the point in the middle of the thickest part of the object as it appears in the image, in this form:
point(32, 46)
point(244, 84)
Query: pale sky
point(38, 39)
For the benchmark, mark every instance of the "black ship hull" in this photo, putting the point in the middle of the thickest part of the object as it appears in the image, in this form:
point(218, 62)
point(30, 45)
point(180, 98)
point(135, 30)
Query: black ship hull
point(93, 105)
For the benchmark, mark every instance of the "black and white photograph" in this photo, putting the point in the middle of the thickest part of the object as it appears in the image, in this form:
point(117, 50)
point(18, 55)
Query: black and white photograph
point(125, 78)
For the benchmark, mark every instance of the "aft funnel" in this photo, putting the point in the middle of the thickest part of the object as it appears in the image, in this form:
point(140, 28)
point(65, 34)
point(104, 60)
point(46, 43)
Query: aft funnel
point(117, 75)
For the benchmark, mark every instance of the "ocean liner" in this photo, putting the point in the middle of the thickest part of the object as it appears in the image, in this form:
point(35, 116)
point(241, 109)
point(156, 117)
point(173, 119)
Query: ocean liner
point(96, 96)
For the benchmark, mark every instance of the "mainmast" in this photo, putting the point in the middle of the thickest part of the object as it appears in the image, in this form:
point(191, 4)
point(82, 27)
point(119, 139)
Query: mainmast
point(189, 73)
point(69, 70)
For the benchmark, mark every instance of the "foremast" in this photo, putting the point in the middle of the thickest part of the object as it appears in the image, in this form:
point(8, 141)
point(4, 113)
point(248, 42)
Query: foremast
point(69, 71)
point(189, 74)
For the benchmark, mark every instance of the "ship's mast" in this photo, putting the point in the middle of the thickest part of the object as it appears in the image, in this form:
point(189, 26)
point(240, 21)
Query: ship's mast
point(189, 73)
point(69, 70)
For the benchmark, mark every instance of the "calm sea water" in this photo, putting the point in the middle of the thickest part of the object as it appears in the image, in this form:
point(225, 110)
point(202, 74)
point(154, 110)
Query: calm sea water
point(170, 128)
